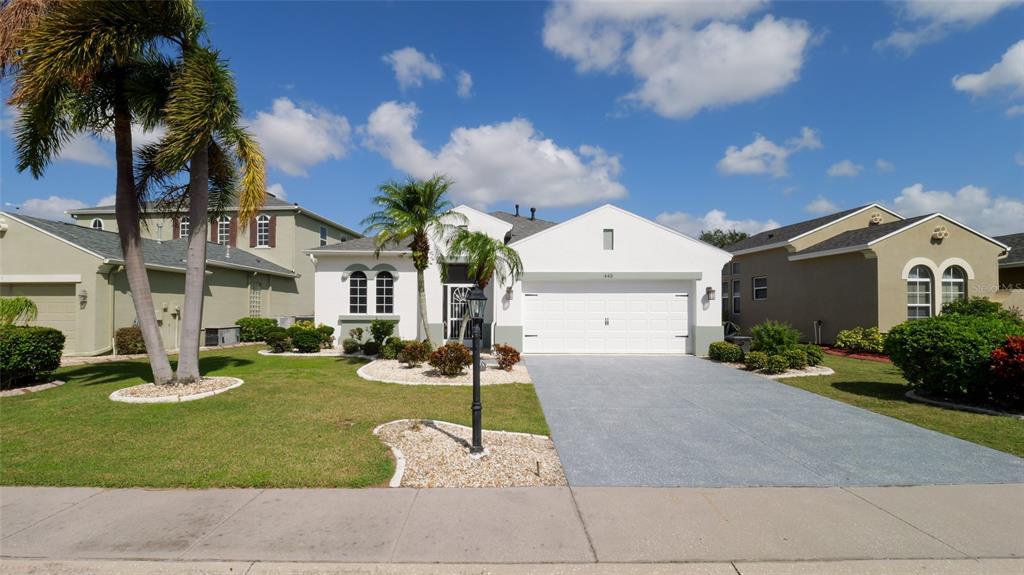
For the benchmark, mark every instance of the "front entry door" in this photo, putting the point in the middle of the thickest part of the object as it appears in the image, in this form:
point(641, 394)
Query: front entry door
point(455, 308)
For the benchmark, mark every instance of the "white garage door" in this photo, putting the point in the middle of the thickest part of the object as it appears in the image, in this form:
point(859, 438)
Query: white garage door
point(605, 317)
point(58, 307)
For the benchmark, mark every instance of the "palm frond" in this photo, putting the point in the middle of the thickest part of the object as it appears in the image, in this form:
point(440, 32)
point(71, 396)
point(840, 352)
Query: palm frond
point(16, 18)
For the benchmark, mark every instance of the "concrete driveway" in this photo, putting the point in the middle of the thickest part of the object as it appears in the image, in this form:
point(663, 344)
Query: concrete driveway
point(685, 421)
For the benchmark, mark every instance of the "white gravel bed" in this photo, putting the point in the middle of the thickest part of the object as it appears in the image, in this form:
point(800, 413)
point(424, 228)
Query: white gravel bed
point(30, 388)
point(152, 393)
point(322, 353)
point(392, 371)
point(809, 371)
point(436, 454)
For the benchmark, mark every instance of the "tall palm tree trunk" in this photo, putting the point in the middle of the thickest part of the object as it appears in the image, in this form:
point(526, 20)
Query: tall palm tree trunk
point(195, 267)
point(421, 290)
point(126, 208)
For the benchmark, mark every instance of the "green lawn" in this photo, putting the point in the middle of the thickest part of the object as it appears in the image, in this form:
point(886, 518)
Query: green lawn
point(880, 387)
point(295, 423)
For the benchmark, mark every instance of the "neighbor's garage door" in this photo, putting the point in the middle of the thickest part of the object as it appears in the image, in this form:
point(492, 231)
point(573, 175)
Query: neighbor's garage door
point(605, 317)
point(58, 307)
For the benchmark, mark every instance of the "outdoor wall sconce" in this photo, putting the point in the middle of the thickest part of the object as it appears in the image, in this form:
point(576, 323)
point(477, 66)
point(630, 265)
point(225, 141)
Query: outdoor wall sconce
point(83, 297)
point(710, 291)
point(508, 292)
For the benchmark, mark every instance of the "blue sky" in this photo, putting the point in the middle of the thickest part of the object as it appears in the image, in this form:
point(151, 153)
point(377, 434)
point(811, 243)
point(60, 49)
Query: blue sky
point(697, 115)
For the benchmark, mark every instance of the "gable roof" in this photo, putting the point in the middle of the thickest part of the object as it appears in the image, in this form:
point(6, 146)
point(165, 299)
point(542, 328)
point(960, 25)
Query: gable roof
point(778, 237)
point(522, 227)
point(1015, 257)
point(359, 246)
point(168, 254)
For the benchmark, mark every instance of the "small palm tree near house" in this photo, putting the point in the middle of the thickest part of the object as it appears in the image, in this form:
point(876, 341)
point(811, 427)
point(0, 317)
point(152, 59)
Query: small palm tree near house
point(17, 310)
point(416, 212)
point(486, 258)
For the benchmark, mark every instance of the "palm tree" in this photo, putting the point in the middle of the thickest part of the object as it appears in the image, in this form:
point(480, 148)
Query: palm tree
point(485, 258)
point(416, 211)
point(91, 67)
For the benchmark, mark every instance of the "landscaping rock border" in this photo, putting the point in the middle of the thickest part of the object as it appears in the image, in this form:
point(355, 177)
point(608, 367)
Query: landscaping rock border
point(31, 388)
point(809, 371)
point(321, 353)
point(120, 396)
point(959, 406)
point(391, 371)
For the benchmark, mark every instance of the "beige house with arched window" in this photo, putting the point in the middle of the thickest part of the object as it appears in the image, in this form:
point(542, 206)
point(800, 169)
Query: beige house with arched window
point(867, 266)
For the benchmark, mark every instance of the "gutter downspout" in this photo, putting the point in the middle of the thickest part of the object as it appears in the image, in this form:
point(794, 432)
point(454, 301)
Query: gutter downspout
point(110, 281)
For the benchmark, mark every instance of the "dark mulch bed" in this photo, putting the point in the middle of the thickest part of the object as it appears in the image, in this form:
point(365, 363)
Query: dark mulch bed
point(857, 355)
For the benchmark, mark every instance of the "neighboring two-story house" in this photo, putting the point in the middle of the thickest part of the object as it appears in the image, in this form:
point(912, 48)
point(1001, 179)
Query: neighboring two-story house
point(279, 234)
point(867, 266)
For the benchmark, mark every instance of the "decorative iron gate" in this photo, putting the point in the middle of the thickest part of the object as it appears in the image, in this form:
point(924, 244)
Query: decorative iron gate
point(455, 308)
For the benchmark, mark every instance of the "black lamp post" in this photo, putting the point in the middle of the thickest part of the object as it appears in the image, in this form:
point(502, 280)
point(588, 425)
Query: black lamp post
point(477, 304)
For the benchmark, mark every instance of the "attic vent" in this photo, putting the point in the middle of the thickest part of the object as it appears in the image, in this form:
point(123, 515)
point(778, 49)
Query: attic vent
point(876, 218)
point(940, 233)
point(770, 236)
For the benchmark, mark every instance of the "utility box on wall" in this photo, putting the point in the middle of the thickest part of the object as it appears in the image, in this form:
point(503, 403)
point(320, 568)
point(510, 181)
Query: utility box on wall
point(216, 336)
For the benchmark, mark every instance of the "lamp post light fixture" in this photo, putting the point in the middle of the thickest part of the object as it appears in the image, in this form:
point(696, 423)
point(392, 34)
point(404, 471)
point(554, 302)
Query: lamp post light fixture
point(477, 303)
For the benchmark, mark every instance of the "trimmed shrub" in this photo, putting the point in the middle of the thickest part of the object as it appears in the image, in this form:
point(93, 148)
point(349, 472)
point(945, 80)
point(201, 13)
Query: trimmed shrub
point(1008, 373)
point(306, 341)
point(255, 328)
point(371, 348)
point(776, 364)
point(392, 347)
point(773, 337)
point(980, 307)
point(351, 346)
point(28, 354)
point(796, 358)
point(414, 353)
point(277, 339)
point(507, 356)
point(862, 339)
point(814, 354)
point(326, 334)
point(949, 356)
point(725, 351)
point(381, 330)
point(756, 360)
point(451, 359)
point(128, 340)
point(356, 333)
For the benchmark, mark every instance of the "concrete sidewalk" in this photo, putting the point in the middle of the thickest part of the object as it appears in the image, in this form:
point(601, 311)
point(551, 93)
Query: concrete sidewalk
point(727, 526)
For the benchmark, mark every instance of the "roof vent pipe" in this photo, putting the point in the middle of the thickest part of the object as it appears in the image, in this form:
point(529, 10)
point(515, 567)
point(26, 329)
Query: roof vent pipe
point(517, 210)
point(533, 214)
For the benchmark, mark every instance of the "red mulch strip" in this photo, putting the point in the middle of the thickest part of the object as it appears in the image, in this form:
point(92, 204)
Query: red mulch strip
point(857, 355)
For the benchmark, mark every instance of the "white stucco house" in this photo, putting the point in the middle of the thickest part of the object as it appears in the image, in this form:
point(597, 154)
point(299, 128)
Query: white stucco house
point(606, 281)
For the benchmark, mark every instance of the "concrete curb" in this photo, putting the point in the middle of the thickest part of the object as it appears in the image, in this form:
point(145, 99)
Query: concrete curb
point(118, 396)
point(31, 389)
point(958, 406)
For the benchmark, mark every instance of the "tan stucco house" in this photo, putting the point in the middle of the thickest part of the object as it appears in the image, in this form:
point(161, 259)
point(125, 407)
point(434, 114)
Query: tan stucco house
point(278, 234)
point(76, 277)
point(867, 266)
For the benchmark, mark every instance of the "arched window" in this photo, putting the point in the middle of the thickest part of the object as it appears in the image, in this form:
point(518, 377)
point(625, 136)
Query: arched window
point(183, 227)
point(263, 231)
point(97, 224)
point(385, 292)
point(357, 293)
point(223, 230)
point(954, 284)
point(919, 293)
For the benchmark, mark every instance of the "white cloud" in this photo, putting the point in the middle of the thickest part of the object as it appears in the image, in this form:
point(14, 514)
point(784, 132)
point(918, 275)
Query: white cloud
point(845, 168)
point(763, 156)
point(932, 20)
point(465, 80)
point(107, 200)
point(687, 56)
point(278, 191)
point(51, 208)
point(412, 67)
point(84, 149)
point(1014, 111)
point(884, 165)
point(972, 205)
point(713, 220)
point(293, 138)
point(1018, 158)
point(509, 161)
point(821, 205)
point(1006, 74)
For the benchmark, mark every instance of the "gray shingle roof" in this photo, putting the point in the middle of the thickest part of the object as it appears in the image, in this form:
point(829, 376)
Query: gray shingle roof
point(523, 227)
point(158, 207)
point(861, 236)
point(785, 233)
point(360, 245)
point(168, 253)
point(1016, 243)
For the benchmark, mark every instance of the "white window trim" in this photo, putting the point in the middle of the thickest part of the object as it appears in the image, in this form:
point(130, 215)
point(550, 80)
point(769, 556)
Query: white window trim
point(737, 294)
point(930, 282)
point(263, 231)
point(95, 221)
point(184, 227)
point(226, 231)
point(608, 234)
point(323, 236)
point(377, 303)
point(366, 292)
point(961, 280)
point(753, 285)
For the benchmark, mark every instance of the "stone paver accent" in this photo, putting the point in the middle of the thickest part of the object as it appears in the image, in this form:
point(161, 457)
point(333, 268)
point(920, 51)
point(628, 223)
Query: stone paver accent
point(30, 388)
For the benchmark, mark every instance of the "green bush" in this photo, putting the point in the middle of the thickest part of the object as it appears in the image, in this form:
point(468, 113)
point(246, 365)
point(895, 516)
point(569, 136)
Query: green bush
point(980, 307)
point(414, 353)
point(814, 354)
point(725, 351)
point(28, 354)
point(351, 346)
point(776, 364)
point(381, 330)
point(451, 359)
point(861, 339)
point(371, 348)
point(796, 358)
point(1008, 373)
point(326, 334)
point(773, 337)
point(507, 356)
point(255, 328)
point(356, 333)
point(948, 356)
point(391, 348)
point(128, 340)
point(306, 341)
point(277, 339)
point(756, 360)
